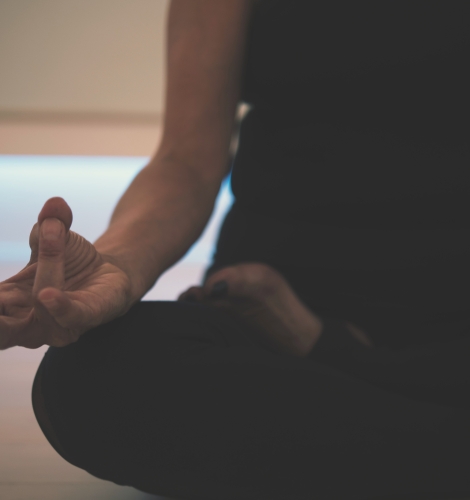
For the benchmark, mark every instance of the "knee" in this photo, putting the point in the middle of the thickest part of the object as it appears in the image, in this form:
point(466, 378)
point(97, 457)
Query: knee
point(83, 392)
point(42, 415)
point(68, 411)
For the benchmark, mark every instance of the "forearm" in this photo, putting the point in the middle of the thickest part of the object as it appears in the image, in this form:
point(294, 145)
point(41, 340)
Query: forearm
point(169, 203)
point(158, 218)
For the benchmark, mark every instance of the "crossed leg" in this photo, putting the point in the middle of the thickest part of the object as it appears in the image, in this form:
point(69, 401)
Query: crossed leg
point(179, 400)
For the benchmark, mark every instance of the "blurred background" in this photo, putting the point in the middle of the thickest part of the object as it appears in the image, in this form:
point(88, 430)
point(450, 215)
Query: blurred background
point(81, 102)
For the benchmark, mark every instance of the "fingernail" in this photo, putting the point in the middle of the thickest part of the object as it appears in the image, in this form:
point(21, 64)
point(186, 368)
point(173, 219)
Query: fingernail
point(219, 289)
point(51, 229)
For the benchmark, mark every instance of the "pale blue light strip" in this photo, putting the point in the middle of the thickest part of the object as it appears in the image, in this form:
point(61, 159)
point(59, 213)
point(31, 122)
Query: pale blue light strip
point(91, 185)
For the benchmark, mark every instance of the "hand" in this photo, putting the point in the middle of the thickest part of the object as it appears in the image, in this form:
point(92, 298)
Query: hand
point(67, 288)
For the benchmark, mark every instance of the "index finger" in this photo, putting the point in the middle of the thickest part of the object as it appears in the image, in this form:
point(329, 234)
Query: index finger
point(54, 222)
point(9, 330)
point(50, 271)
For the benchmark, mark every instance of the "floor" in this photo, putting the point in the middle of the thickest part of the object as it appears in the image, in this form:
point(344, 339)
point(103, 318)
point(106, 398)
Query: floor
point(29, 468)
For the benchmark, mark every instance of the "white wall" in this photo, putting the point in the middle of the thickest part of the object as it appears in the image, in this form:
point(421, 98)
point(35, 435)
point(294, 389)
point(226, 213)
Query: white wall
point(82, 56)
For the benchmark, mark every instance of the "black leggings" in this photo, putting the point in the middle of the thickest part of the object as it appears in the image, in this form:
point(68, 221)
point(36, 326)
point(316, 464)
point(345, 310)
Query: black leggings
point(181, 400)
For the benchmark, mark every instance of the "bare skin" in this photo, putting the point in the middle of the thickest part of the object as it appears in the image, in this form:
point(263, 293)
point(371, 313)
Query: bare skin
point(66, 288)
point(71, 285)
point(263, 298)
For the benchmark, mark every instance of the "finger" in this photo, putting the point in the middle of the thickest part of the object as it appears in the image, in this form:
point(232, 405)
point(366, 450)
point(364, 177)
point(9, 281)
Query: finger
point(221, 280)
point(27, 273)
point(5, 335)
point(66, 312)
point(56, 208)
point(54, 221)
point(192, 293)
point(50, 270)
point(10, 328)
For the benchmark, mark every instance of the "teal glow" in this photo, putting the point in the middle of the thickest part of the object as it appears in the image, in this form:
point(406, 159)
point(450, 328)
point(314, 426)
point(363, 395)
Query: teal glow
point(91, 185)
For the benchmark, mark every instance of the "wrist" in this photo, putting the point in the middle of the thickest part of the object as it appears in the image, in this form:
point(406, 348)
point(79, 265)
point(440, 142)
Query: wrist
point(136, 287)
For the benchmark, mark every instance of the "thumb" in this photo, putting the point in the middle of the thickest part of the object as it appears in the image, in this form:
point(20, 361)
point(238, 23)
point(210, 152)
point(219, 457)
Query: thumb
point(56, 208)
point(53, 208)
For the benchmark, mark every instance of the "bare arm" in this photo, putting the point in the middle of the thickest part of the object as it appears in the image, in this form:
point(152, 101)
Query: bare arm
point(168, 204)
point(70, 286)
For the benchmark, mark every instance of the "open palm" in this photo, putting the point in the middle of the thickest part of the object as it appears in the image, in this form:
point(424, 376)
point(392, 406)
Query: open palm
point(67, 288)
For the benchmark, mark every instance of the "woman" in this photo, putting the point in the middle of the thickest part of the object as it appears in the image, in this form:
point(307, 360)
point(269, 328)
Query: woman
point(325, 355)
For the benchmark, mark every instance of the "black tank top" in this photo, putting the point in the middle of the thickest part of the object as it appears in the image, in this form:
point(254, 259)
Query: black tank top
point(360, 113)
